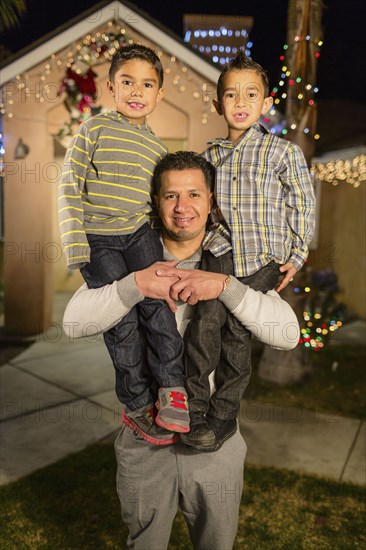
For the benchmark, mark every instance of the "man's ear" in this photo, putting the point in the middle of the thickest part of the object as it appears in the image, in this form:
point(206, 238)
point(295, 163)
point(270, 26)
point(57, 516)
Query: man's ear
point(217, 105)
point(267, 104)
point(211, 200)
point(156, 200)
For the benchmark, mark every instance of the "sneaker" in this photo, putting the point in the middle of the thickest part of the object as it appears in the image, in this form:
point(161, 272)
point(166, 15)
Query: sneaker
point(142, 421)
point(223, 430)
point(200, 433)
point(172, 408)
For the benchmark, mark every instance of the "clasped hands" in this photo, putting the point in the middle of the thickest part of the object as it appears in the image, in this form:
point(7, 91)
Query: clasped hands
point(164, 281)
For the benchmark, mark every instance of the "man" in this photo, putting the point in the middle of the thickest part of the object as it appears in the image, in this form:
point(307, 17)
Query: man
point(154, 480)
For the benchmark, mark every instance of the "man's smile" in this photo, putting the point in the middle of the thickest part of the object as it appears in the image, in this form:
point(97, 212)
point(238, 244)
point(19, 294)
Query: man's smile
point(183, 221)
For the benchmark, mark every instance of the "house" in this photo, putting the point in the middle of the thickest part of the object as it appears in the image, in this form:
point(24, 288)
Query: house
point(341, 234)
point(36, 124)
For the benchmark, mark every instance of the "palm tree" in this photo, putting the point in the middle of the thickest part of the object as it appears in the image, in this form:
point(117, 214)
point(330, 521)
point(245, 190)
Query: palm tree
point(304, 18)
point(10, 13)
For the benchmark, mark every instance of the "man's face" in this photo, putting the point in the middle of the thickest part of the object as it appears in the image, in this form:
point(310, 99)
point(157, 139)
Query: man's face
point(184, 203)
point(243, 100)
point(135, 90)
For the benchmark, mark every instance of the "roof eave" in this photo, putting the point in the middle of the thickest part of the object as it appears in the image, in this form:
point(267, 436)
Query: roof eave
point(85, 23)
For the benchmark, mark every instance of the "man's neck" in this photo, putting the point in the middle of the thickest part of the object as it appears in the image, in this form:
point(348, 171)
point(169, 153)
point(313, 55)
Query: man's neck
point(181, 249)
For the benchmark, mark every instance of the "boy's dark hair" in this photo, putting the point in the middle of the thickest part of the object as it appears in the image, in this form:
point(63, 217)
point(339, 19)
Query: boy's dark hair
point(239, 63)
point(185, 160)
point(136, 51)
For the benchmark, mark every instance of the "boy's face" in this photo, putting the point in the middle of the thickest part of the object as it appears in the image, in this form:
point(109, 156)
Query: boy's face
point(135, 90)
point(243, 101)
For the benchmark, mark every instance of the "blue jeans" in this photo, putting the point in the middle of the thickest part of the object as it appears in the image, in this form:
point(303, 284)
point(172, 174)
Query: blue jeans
point(215, 339)
point(112, 258)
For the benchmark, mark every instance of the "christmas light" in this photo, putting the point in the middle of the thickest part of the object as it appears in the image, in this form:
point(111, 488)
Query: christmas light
point(322, 315)
point(352, 172)
point(92, 50)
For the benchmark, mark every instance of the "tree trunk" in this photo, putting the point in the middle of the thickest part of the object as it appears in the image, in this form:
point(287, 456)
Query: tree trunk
point(286, 367)
point(304, 20)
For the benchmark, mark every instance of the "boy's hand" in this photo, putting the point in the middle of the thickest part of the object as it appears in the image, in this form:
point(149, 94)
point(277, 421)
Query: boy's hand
point(152, 286)
point(289, 273)
point(194, 285)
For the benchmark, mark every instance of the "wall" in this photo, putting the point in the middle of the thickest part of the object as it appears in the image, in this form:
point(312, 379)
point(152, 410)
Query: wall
point(28, 248)
point(342, 235)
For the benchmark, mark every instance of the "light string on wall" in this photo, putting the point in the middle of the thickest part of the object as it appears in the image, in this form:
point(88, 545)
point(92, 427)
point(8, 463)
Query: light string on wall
point(349, 171)
point(78, 62)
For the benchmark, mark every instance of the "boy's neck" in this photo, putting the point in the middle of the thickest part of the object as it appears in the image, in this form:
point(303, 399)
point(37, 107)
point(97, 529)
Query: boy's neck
point(236, 135)
point(134, 122)
point(137, 122)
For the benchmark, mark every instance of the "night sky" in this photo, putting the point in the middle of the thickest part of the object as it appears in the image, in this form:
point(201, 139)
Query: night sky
point(341, 67)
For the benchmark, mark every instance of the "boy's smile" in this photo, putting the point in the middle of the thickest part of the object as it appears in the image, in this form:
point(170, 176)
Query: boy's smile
point(243, 101)
point(135, 90)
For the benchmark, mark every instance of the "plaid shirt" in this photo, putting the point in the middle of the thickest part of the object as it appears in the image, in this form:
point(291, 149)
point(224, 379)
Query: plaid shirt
point(265, 192)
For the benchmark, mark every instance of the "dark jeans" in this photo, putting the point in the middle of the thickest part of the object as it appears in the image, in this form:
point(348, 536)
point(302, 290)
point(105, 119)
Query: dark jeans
point(215, 339)
point(112, 258)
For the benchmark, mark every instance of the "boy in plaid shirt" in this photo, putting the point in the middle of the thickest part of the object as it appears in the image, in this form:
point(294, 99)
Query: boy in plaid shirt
point(265, 193)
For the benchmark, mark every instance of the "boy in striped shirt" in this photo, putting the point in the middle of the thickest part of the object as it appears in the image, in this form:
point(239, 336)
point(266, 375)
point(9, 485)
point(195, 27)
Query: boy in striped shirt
point(104, 207)
point(265, 193)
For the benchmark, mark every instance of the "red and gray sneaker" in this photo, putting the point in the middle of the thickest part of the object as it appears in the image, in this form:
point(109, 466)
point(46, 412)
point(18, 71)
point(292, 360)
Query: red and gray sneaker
point(172, 408)
point(142, 421)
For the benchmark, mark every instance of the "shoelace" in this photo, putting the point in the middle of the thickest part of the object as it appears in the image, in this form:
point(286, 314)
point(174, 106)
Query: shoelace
point(178, 400)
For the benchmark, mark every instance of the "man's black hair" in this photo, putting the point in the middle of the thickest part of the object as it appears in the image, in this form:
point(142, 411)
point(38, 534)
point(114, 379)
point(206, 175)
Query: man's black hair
point(185, 160)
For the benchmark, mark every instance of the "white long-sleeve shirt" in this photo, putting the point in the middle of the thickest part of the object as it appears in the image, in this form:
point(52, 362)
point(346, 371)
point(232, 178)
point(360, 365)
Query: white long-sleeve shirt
point(270, 319)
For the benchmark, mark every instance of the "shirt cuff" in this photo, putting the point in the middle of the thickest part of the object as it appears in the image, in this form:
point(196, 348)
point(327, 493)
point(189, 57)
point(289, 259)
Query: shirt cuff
point(297, 261)
point(233, 293)
point(128, 292)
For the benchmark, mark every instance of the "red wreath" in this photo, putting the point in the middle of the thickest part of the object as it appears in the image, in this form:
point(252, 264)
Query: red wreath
point(85, 83)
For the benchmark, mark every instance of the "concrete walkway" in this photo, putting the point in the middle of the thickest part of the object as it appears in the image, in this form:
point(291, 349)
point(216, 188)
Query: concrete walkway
point(58, 396)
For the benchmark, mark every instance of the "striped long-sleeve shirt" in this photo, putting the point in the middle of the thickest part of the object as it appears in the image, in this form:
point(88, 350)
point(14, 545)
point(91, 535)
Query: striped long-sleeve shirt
point(265, 192)
point(105, 187)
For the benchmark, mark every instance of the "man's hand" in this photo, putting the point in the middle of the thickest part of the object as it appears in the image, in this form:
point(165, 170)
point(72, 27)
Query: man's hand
point(193, 285)
point(152, 286)
point(289, 272)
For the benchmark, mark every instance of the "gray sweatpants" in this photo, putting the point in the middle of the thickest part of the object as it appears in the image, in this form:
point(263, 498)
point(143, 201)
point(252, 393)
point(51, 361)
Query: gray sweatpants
point(153, 481)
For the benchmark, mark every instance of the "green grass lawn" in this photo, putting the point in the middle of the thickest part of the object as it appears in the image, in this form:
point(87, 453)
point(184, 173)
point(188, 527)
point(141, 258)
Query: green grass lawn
point(327, 389)
point(73, 505)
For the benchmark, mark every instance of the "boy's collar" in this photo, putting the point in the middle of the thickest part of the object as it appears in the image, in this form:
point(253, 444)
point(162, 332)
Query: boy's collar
point(251, 133)
point(145, 126)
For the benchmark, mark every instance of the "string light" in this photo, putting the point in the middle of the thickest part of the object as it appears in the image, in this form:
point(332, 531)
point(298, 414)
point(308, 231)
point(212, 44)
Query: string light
point(305, 90)
point(204, 37)
point(315, 332)
point(322, 315)
point(349, 171)
point(92, 50)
